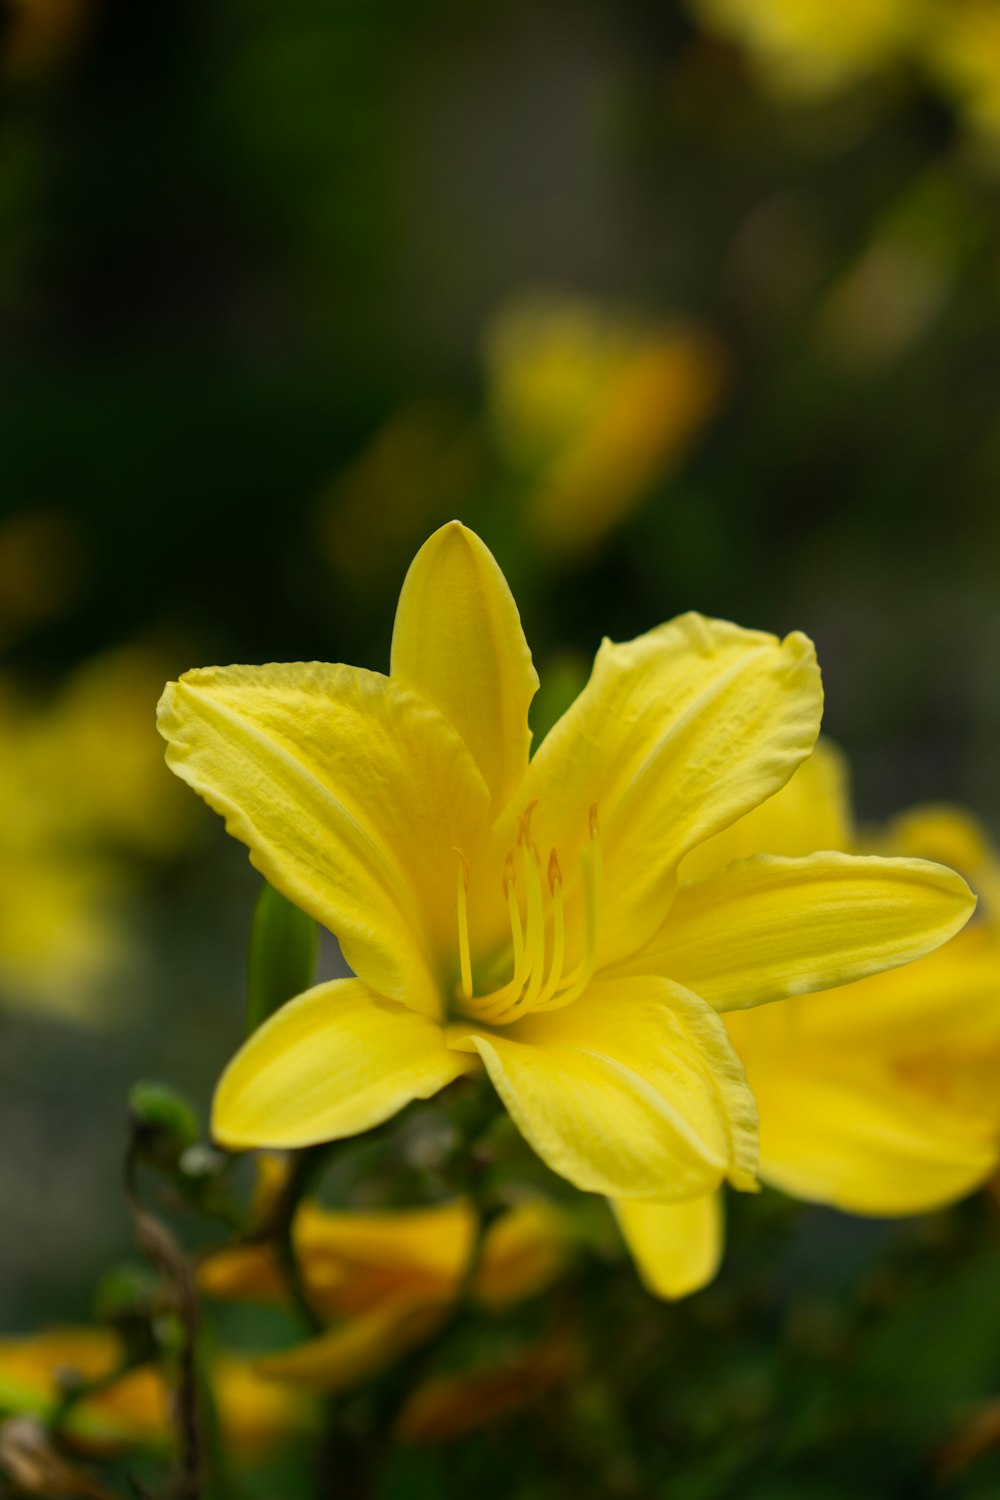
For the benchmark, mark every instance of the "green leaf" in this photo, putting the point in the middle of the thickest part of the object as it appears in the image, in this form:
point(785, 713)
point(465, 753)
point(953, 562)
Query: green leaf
point(282, 963)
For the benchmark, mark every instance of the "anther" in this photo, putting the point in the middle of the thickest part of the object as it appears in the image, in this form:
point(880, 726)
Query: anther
point(466, 868)
point(509, 873)
point(555, 873)
point(594, 828)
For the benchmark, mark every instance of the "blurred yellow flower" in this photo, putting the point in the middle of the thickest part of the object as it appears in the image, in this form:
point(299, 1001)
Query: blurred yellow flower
point(526, 914)
point(593, 408)
point(389, 1280)
point(812, 49)
point(133, 1412)
point(83, 782)
point(879, 1098)
point(962, 50)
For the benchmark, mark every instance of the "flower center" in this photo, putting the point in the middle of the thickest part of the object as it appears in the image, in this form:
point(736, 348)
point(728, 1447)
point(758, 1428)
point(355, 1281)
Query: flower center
point(538, 979)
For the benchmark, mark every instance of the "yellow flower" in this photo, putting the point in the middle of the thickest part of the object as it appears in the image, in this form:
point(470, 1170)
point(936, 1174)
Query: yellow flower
point(812, 49)
point(595, 408)
point(526, 913)
point(133, 1412)
point(963, 51)
point(83, 782)
point(879, 1098)
point(389, 1280)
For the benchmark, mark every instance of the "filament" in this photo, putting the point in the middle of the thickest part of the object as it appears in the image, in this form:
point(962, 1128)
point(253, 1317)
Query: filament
point(464, 950)
point(533, 984)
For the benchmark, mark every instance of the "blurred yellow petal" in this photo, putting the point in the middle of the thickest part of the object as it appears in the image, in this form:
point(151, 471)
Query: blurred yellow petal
point(632, 1091)
point(458, 641)
point(356, 1351)
point(951, 836)
point(676, 735)
point(449, 1406)
point(962, 50)
point(677, 1247)
point(811, 813)
point(434, 1241)
point(134, 1411)
point(333, 1062)
point(523, 1252)
point(256, 1415)
point(948, 1000)
point(768, 927)
point(351, 795)
point(861, 1140)
point(810, 49)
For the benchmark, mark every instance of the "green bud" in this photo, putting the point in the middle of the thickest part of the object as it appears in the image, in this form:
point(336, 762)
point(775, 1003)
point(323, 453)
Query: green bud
point(283, 945)
point(164, 1124)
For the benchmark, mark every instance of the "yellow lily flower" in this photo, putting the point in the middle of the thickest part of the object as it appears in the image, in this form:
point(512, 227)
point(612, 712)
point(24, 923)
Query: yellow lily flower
point(806, 50)
point(526, 914)
point(133, 1412)
point(879, 1098)
point(390, 1280)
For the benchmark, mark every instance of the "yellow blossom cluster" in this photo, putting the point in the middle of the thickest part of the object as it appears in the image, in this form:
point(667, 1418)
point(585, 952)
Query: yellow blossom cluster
point(83, 785)
point(809, 50)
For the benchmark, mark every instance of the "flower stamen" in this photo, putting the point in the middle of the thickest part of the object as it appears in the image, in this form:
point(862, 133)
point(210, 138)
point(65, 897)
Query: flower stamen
point(464, 948)
point(530, 988)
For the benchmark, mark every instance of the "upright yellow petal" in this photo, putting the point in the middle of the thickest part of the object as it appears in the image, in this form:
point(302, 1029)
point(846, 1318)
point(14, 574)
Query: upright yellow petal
point(331, 1063)
point(458, 641)
point(675, 736)
point(677, 1247)
point(350, 793)
point(861, 1140)
point(633, 1091)
point(769, 927)
point(811, 813)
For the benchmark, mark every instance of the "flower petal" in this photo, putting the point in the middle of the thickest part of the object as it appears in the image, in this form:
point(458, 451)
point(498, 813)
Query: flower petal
point(675, 736)
point(355, 1351)
point(677, 1247)
point(634, 1090)
point(769, 927)
point(812, 812)
point(862, 1141)
point(350, 793)
point(949, 1000)
point(523, 1251)
point(331, 1063)
point(951, 836)
point(458, 641)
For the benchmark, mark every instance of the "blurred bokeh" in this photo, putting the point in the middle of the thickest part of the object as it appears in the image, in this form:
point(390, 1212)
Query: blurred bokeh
point(680, 306)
